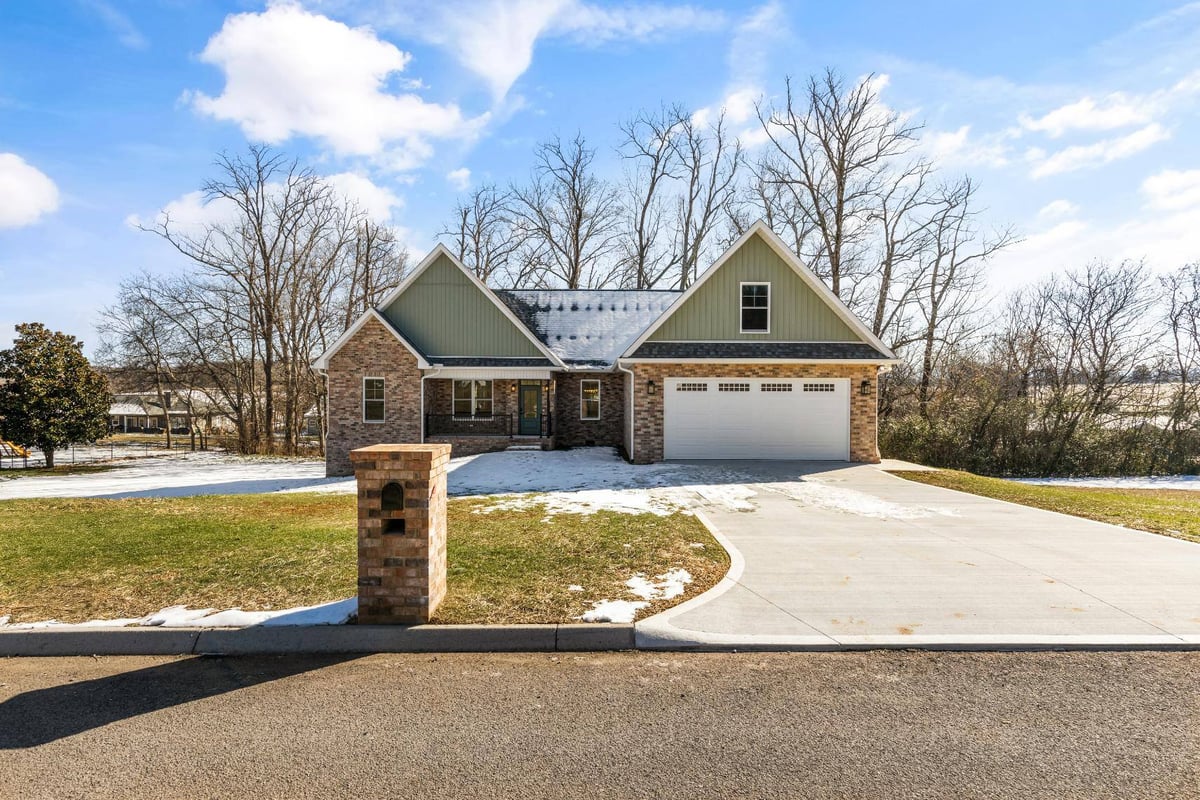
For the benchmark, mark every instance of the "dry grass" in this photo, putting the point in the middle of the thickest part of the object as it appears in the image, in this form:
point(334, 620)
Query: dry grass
point(1171, 512)
point(79, 559)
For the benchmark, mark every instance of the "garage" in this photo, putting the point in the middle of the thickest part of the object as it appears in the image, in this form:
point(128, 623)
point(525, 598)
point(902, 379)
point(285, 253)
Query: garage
point(757, 418)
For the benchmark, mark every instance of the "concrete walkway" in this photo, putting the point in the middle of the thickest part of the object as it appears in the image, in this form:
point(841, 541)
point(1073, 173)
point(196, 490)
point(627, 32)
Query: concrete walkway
point(837, 556)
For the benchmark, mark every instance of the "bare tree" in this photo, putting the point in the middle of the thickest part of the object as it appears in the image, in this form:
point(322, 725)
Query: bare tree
point(709, 158)
point(568, 217)
point(649, 146)
point(482, 234)
point(830, 145)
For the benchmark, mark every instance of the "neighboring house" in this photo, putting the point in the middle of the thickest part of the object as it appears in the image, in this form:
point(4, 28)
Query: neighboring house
point(757, 359)
point(142, 412)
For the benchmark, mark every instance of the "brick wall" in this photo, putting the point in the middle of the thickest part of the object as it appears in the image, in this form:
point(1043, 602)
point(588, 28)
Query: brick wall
point(372, 352)
point(648, 417)
point(570, 430)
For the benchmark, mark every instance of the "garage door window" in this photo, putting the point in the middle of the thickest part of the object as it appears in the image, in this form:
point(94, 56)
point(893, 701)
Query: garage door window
point(756, 308)
point(776, 387)
point(819, 387)
point(733, 387)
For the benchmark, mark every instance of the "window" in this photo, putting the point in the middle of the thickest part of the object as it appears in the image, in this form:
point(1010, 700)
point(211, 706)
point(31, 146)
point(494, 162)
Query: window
point(733, 387)
point(819, 387)
point(472, 398)
point(756, 308)
point(692, 387)
point(775, 387)
point(589, 399)
point(373, 400)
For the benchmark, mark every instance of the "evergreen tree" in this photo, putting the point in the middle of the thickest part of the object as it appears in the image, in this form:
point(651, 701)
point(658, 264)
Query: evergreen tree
point(50, 396)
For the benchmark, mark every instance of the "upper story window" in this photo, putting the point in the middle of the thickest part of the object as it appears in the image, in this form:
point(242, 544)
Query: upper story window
point(373, 410)
point(472, 398)
point(589, 399)
point(756, 308)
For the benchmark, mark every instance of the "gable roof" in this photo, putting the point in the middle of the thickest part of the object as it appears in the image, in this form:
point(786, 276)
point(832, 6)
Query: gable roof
point(440, 251)
point(322, 361)
point(760, 228)
point(587, 327)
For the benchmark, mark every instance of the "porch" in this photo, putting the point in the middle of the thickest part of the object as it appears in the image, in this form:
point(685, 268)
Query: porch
point(481, 413)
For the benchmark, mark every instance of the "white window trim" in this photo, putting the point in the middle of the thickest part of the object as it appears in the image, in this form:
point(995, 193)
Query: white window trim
point(598, 391)
point(364, 400)
point(474, 399)
point(742, 308)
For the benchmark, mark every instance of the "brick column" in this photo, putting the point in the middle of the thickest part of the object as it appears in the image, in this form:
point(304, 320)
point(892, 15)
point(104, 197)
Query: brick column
point(401, 531)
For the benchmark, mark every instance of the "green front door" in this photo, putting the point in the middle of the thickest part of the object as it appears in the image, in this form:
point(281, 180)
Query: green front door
point(529, 409)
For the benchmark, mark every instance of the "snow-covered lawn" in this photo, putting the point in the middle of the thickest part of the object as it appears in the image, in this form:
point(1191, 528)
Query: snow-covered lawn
point(1186, 482)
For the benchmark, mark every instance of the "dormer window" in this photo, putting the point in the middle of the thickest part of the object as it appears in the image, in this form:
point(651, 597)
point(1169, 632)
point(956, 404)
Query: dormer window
point(756, 308)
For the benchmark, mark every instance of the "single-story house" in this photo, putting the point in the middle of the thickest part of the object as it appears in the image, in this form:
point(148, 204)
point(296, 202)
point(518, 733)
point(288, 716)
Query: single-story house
point(757, 359)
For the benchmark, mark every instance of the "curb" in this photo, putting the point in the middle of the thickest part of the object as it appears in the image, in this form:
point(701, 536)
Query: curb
point(92, 640)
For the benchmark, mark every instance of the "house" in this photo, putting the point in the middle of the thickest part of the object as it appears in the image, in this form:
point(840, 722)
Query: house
point(142, 412)
point(756, 359)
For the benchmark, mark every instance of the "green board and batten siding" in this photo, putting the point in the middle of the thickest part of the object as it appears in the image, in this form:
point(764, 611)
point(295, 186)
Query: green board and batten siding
point(713, 312)
point(443, 313)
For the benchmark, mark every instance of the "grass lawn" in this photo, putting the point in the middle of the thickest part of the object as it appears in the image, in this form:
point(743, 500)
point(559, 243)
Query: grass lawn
point(1171, 512)
point(80, 559)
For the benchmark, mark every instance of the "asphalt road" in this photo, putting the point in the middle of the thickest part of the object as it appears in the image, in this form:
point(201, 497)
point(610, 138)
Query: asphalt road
point(877, 725)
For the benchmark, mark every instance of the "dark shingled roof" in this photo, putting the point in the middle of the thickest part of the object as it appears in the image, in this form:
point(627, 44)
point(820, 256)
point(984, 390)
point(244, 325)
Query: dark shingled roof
point(532, 363)
point(750, 350)
point(587, 327)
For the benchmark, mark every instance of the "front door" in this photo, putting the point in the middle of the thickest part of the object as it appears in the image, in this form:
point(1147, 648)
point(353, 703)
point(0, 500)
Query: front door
point(529, 409)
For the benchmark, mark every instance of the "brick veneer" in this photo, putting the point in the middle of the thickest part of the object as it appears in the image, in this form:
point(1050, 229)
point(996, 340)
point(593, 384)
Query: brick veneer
point(401, 571)
point(570, 430)
point(648, 419)
point(372, 352)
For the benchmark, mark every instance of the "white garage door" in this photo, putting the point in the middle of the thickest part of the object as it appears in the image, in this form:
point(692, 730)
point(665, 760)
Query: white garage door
point(790, 418)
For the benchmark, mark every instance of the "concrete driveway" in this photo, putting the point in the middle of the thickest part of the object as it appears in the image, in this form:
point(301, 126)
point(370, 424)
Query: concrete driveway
point(838, 555)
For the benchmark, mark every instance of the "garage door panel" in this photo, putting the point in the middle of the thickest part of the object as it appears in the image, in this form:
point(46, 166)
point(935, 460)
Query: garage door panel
point(757, 418)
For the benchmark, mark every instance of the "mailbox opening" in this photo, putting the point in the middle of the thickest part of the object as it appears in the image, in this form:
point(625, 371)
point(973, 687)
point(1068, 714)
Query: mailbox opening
point(393, 526)
point(392, 497)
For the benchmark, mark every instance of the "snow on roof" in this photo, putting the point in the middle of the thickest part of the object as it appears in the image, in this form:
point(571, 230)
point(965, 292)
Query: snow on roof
point(587, 326)
point(126, 410)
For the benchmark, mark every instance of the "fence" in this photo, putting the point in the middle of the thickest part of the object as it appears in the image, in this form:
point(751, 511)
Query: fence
point(94, 453)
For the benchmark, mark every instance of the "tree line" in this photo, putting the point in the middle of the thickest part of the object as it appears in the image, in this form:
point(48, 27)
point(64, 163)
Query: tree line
point(1056, 382)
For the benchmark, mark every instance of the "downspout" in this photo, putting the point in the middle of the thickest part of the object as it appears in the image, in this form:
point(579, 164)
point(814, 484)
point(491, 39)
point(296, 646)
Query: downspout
point(437, 369)
point(629, 404)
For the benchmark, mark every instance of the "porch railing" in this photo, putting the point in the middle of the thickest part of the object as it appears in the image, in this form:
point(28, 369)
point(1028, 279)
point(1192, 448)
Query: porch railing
point(492, 425)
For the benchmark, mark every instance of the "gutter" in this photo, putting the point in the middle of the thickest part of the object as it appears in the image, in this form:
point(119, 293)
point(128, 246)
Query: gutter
point(630, 405)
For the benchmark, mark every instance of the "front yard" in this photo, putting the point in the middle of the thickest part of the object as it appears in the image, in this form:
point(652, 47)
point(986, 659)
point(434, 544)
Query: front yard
point(80, 559)
point(1171, 512)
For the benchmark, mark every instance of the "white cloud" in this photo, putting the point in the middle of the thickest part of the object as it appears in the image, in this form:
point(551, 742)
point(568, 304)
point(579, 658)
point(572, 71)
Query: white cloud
point(120, 25)
point(958, 147)
point(26, 193)
point(290, 72)
point(1114, 110)
point(1058, 209)
point(1097, 154)
point(1172, 190)
point(495, 39)
point(459, 178)
point(378, 202)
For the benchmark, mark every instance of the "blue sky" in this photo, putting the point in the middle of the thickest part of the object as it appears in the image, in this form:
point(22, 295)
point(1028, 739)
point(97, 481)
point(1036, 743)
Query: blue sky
point(1079, 118)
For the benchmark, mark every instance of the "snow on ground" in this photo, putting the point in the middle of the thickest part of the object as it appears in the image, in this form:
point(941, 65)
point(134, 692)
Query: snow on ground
point(818, 494)
point(182, 475)
point(1189, 483)
point(664, 587)
point(336, 613)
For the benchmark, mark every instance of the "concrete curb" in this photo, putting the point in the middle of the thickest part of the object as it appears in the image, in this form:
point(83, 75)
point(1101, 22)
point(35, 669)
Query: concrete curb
point(78, 641)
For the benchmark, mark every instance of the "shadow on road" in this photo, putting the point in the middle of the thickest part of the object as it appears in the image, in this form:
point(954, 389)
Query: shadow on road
point(46, 715)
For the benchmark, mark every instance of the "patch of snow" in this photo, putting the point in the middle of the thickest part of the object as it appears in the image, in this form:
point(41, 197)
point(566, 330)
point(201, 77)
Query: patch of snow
point(818, 494)
point(338, 612)
point(574, 587)
point(664, 587)
point(1189, 483)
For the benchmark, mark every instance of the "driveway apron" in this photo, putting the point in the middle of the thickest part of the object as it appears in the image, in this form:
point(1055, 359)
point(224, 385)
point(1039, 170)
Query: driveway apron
point(848, 555)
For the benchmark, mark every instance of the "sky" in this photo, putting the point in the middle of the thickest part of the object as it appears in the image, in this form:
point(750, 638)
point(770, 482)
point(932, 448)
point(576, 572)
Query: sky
point(1079, 119)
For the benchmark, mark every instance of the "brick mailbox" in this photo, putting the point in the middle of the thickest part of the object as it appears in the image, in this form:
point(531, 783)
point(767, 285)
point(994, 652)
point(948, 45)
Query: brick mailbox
point(401, 531)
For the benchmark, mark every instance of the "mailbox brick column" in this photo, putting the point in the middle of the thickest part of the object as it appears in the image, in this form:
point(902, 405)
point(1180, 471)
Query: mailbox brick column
point(401, 531)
